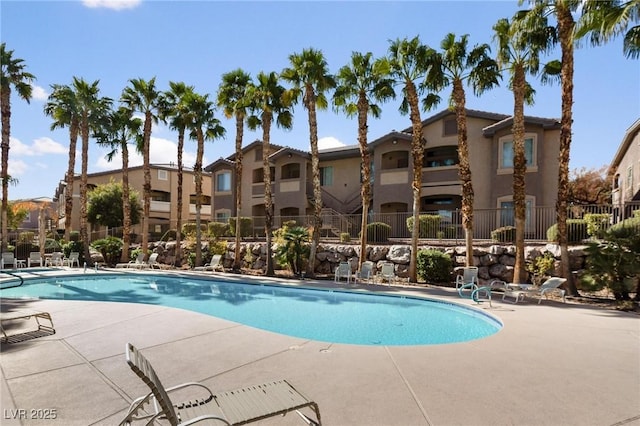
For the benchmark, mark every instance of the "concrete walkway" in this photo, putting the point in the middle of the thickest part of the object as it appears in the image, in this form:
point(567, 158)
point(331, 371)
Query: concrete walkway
point(552, 364)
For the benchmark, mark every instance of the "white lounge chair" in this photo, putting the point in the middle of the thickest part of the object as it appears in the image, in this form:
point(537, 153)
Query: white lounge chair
point(74, 258)
point(342, 271)
point(468, 280)
point(153, 261)
point(34, 257)
point(387, 273)
point(8, 259)
point(236, 407)
point(365, 273)
point(214, 265)
point(137, 263)
point(56, 259)
point(549, 286)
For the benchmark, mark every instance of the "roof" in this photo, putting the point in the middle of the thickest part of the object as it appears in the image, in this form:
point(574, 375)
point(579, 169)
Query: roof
point(288, 151)
point(631, 132)
point(252, 145)
point(219, 162)
point(470, 113)
point(391, 136)
point(546, 123)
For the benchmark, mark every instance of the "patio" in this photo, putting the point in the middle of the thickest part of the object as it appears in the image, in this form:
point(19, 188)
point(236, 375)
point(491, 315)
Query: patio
point(552, 364)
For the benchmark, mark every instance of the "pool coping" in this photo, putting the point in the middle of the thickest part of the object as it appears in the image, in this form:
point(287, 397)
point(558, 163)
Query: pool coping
point(557, 356)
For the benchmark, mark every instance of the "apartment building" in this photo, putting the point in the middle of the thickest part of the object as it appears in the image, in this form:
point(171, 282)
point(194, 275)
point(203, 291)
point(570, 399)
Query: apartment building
point(164, 190)
point(625, 170)
point(490, 149)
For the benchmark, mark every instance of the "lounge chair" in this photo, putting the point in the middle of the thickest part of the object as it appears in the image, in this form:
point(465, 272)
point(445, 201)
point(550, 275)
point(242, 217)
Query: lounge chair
point(365, 273)
point(468, 280)
point(518, 291)
point(8, 259)
point(34, 257)
point(237, 407)
point(152, 262)
point(137, 263)
point(387, 273)
point(56, 259)
point(214, 265)
point(342, 271)
point(74, 258)
point(44, 326)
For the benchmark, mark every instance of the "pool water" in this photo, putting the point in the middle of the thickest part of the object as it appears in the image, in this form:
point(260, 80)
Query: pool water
point(323, 315)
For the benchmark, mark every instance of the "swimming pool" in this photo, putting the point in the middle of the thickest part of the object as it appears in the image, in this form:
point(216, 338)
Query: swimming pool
point(324, 315)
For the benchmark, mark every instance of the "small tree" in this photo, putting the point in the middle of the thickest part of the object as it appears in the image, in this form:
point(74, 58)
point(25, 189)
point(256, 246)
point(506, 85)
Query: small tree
point(293, 248)
point(105, 205)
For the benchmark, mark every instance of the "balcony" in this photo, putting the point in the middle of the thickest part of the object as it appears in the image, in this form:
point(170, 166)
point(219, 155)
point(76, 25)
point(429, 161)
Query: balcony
point(204, 209)
point(160, 206)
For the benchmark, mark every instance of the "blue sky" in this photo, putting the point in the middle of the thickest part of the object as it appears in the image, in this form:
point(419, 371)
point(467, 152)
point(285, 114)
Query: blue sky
point(196, 42)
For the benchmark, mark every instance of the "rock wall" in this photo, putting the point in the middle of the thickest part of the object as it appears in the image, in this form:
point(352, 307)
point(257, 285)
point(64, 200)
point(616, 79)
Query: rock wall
point(494, 262)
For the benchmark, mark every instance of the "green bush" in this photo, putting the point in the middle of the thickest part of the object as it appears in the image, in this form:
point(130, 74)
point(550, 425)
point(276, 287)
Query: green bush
point(627, 228)
point(26, 237)
point(74, 236)
point(597, 224)
point(51, 245)
point(434, 266)
point(576, 231)
point(505, 234)
point(189, 228)
point(218, 229)
point(246, 226)
point(110, 247)
point(76, 246)
point(378, 232)
point(429, 225)
point(345, 237)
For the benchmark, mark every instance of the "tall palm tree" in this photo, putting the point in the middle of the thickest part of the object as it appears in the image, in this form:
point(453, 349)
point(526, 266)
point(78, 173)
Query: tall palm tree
point(409, 62)
point(309, 74)
point(14, 75)
point(204, 126)
point(362, 83)
point(175, 111)
point(63, 109)
point(92, 110)
point(119, 128)
point(232, 97)
point(456, 66)
point(268, 100)
point(519, 49)
point(604, 20)
point(142, 96)
point(566, 35)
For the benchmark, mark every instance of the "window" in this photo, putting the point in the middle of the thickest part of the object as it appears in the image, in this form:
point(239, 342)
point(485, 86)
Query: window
point(223, 182)
point(163, 175)
point(258, 156)
point(222, 216)
point(326, 176)
point(629, 184)
point(395, 160)
point(441, 156)
point(507, 214)
point(506, 154)
point(450, 127)
point(160, 196)
point(258, 175)
point(291, 171)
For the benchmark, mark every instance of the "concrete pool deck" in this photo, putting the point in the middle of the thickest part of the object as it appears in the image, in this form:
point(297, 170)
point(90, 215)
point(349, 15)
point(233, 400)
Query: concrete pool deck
point(551, 364)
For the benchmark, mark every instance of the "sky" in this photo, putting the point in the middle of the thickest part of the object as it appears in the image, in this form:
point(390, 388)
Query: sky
point(198, 41)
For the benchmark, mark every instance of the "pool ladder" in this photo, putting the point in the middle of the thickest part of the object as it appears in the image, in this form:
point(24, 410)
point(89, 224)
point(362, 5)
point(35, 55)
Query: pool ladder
point(2, 287)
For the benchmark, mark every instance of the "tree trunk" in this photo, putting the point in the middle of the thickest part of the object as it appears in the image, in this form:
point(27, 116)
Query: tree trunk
point(519, 170)
point(126, 205)
point(146, 146)
point(71, 165)
point(268, 201)
point(178, 259)
point(464, 169)
point(197, 170)
point(566, 24)
point(239, 132)
point(363, 110)
point(6, 133)
point(315, 173)
point(417, 152)
point(84, 235)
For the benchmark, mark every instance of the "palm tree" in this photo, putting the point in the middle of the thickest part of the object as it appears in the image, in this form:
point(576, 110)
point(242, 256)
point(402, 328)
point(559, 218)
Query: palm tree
point(174, 109)
point(92, 110)
point(604, 20)
point(310, 77)
point(204, 126)
point(142, 96)
point(119, 128)
point(13, 75)
point(232, 97)
point(63, 109)
point(361, 84)
point(409, 62)
point(519, 50)
point(456, 66)
point(268, 99)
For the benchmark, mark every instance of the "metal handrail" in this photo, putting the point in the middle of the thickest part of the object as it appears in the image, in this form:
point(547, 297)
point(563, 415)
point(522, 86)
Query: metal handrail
point(13, 275)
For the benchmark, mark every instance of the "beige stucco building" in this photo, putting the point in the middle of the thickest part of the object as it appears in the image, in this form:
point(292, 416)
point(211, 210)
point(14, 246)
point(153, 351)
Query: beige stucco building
point(625, 168)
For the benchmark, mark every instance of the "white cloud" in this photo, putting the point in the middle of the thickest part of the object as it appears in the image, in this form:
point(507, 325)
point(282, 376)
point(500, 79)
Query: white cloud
point(329, 142)
point(40, 146)
point(112, 4)
point(17, 167)
point(163, 151)
point(38, 93)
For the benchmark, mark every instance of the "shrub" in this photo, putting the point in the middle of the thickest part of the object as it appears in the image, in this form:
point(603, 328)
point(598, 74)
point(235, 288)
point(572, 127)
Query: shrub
point(542, 266)
point(77, 246)
point(218, 229)
point(505, 234)
point(378, 232)
point(293, 250)
point(189, 228)
point(625, 229)
point(597, 224)
point(51, 245)
point(345, 237)
point(110, 247)
point(434, 266)
point(576, 231)
point(26, 237)
point(74, 236)
point(429, 225)
point(246, 226)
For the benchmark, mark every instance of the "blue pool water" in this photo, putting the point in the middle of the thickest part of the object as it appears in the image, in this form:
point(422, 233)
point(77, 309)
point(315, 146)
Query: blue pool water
point(330, 316)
